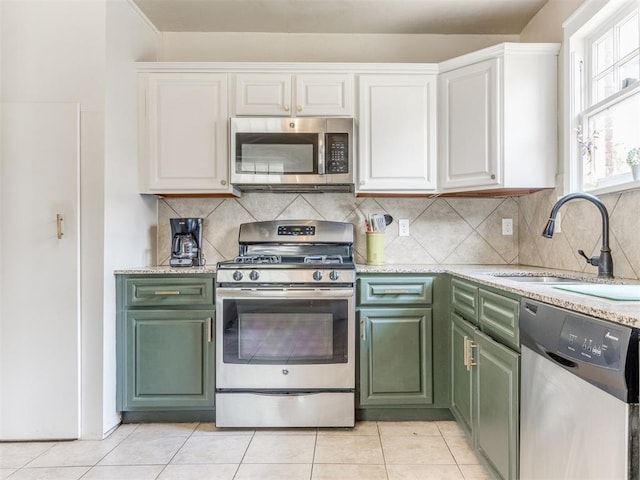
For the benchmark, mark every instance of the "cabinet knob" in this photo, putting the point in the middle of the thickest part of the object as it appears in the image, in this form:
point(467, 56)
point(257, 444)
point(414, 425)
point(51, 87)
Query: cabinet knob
point(223, 182)
point(493, 176)
point(299, 108)
point(286, 108)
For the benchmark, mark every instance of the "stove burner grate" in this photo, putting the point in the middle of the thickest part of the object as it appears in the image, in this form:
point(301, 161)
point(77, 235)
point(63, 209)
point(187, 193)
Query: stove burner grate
point(258, 259)
point(323, 259)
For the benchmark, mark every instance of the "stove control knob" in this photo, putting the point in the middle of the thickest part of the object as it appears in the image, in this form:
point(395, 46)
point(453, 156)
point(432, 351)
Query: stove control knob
point(334, 275)
point(254, 275)
point(317, 275)
point(237, 275)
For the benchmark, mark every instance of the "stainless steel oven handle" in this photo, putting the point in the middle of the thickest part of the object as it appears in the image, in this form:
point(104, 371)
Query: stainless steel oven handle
point(233, 293)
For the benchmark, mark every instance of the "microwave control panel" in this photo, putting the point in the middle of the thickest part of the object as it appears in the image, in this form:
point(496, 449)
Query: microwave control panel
point(337, 158)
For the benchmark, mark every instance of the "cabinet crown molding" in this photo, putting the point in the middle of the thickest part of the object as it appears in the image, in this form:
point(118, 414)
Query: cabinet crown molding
point(288, 67)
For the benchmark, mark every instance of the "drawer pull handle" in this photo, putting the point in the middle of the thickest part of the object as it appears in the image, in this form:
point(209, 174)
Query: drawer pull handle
point(167, 292)
point(396, 292)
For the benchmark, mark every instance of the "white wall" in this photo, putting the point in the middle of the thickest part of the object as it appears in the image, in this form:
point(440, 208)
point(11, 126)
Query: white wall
point(291, 47)
point(546, 26)
point(129, 218)
point(54, 52)
point(84, 51)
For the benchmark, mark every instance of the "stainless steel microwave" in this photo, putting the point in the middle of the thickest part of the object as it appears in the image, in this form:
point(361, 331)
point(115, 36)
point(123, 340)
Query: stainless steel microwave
point(292, 154)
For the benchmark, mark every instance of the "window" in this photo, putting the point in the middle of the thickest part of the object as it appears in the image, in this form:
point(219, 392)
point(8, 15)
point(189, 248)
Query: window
point(606, 103)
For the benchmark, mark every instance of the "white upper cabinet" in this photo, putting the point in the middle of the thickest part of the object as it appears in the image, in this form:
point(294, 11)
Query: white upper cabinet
point(397, 133)
point(183, 133)
point(498, 119)
point(283, 94)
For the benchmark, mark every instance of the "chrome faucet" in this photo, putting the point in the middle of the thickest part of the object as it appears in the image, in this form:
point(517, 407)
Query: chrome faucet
point(604, 262)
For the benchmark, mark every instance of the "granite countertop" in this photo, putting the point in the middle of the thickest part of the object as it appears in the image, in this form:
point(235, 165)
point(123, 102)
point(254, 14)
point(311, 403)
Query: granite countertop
point(623, 312)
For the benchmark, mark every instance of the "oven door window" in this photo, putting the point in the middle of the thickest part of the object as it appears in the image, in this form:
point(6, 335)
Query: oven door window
point(277, 153)
point(285, 331)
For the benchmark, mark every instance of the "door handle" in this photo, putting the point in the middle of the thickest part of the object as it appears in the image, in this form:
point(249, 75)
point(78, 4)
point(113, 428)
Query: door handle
point(59, 220)
point(363, 329)
point(209, 329)
point(469, 345)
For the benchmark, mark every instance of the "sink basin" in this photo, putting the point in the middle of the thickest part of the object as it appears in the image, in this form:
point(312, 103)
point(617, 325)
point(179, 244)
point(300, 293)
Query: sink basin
point(539, 279)
point(609, 291)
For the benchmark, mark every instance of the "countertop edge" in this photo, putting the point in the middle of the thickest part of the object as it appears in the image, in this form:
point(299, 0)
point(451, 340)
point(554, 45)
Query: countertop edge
point(621, 312)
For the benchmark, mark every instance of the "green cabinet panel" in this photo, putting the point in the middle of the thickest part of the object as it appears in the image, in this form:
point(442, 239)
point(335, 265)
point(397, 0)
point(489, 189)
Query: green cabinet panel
point(396, 362)
point(462, 371)
point(164, 342)
point(498, 317)
point(167, 291)
point(464, 299)
point(497, 405)
point(399, 290)
point(169, 359)
point(485, 373)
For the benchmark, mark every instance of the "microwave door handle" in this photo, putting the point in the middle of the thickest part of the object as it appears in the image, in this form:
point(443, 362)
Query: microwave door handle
point(321, 150)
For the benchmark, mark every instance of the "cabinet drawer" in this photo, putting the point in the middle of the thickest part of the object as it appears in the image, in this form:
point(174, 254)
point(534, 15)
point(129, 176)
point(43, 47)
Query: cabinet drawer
point(498, 316)
point(464, 299)
point(396, 290)
point(146, 292)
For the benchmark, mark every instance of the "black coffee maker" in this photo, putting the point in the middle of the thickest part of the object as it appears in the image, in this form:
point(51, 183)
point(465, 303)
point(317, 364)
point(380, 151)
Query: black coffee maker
point(186, 242)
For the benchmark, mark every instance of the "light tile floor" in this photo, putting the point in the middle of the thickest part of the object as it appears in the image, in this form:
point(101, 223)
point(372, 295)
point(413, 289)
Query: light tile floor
point(190, 451)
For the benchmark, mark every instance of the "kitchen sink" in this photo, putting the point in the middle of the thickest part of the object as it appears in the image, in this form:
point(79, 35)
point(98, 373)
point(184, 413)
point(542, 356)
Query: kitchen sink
point(608, 291)
point(539, 279)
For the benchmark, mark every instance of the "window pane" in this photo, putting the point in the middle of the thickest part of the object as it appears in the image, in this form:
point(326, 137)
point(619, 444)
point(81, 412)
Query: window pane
point(603, 53)
point(604, 87)
point(629, 72)
point(629, 36)
point(617, 131)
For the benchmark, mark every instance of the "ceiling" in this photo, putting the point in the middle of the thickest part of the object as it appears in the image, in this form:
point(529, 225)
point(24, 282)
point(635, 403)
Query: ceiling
point(342, 16)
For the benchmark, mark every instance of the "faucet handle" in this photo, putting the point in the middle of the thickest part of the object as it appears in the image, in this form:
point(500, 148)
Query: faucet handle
point(595, 261)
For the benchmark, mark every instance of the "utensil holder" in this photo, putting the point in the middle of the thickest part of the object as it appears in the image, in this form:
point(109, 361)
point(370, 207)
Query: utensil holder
point(375, 248)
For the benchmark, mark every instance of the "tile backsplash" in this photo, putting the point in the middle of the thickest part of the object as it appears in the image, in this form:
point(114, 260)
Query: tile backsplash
point(442, 230)
point(581, 225)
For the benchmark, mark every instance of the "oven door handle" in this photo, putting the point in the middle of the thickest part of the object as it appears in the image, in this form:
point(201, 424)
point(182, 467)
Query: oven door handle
point(233, 293)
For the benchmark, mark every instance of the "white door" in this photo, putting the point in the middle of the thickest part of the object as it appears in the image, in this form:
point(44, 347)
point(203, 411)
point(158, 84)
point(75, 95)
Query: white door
point(39, 272)
point(263, 94)
point(397, 133)
point(469, 127)
point(185, 135)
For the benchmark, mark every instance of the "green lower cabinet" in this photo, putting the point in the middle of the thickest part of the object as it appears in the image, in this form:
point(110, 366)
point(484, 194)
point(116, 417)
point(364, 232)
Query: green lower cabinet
point(485, 395)
point(462, 372)
point(497, 400)
point(396, 351)
point(170, 357)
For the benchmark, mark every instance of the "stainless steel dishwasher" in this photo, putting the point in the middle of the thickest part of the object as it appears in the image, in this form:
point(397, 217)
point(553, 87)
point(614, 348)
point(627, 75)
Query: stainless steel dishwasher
point(579, 396)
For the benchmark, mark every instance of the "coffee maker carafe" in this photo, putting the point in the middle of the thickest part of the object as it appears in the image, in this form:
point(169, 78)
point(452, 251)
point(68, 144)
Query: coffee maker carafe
point(186, 242)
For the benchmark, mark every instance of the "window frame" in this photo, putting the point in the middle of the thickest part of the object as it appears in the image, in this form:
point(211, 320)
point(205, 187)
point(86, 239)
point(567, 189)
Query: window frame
point(581, 31)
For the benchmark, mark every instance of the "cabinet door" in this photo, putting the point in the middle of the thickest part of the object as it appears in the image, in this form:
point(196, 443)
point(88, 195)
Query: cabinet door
point(396, 366)
point(263, 94)
point(397, 133)
point(169, 359)
point(469, 127)
point(462, 333)
point(497, 405)
point(320, 95)
point(39, 297)
point(183, 145)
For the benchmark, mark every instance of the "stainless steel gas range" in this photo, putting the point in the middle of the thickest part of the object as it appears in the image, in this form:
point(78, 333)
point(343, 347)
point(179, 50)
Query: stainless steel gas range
point(285, 327)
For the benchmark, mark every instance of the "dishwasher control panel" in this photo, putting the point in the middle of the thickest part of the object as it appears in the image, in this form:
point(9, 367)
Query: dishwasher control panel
point(592, 342)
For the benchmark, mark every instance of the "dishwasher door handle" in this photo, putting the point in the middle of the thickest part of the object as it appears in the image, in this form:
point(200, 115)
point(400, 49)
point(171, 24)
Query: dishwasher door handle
point(565, 362)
